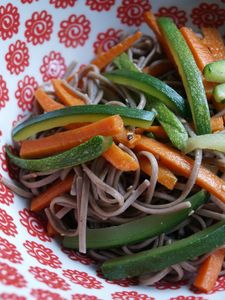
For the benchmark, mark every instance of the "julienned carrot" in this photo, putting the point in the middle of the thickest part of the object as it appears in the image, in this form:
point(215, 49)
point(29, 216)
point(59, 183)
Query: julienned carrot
point(165, 176)
point(65, 95)
point(217, 124)
point(59, 187)
point(213, 40)
point(120, 159)
point(127, 138)
point(209, 271)
point(102, 60)
point(151, 22)
point(199, 50)
point(182, 164)
point(46, 102)
point(159, 68)
point(66, 140)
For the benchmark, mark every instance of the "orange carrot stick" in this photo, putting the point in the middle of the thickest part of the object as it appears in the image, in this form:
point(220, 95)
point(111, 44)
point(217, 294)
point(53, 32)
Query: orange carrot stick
point(151, 22)
point(213, 40)
point(120, 159)
point(127, 138)
point(59, 187)
point(105, 58)
point(159, 68)
point(217, 124)
point(182, 164)
point(165, 176)
point(65, 140)
point(200, 51)
point(46, 102)
point(209, 271)
point(65, 95)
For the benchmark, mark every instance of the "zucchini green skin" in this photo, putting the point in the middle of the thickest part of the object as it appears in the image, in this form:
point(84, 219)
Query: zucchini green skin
point(219, 93)
point(73, 157)
point(170, 123)
point(152, 86)
point(78, 114)
point(159, 258)
point(215, 71)
point(190, 74)
point(138, 230)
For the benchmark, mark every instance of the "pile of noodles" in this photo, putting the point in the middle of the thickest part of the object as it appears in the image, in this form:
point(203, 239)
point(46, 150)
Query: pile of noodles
point(102, 195)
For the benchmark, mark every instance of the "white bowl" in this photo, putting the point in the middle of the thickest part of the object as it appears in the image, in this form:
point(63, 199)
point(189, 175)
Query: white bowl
point(38, 39)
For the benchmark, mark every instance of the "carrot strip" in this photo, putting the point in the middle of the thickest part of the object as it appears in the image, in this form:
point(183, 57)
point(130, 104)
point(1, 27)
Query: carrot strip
point(209, 271)
point(59, 187)
point(182, 164)
point(217, 124)
point(102, 60)
point(120, 159)
point(159, 69)
point(65, 95)
point(65, 140)
point(127, 138)
point(213, 40)
point(165, 176)
point(200, 51)
point(151, 22)
point(46, 102)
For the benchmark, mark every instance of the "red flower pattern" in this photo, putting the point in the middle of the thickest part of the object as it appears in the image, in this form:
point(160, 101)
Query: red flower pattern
point(39, 27)
point(208, 15)
point(53, 66)
point(74, 31)
point(49, 278)
point(6, 223)
point(6, 196)
point(34, 224)
point(28, 1)
point(100, 5)
point(45, 295)
point(84, 297)
point(42, 254)
point(4, 92)
point(10, 276)
point(130, 295)
point(17, 57)
point(9, 251)
point(3, 159)
point(106, 40)
point(164, 285)
point(62, 3)
point(18, 119)
point(187, 298)
point(6, 296)
point(82, 278)
point(83, 259)
point(131, 11)
point(25, 92)
point(9, 21)
point(121, 282)
point(179, 16)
